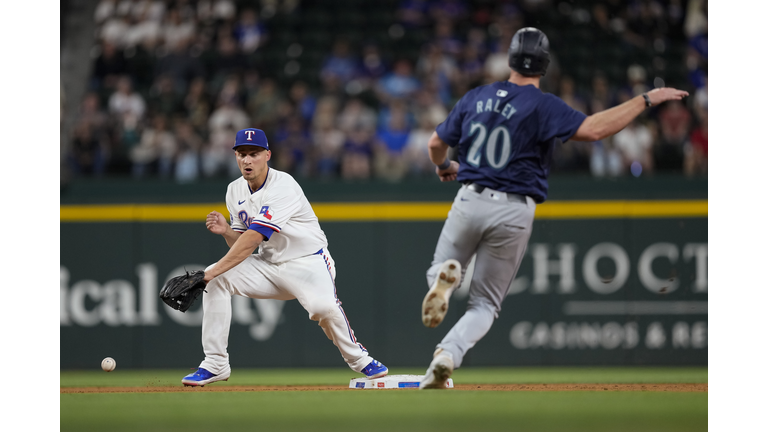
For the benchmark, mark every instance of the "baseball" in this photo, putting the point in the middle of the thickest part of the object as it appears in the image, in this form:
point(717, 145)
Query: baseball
point(108, 364)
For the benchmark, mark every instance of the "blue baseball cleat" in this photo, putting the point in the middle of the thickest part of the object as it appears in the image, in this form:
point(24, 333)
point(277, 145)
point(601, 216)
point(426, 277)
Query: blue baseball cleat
point(375, 370)
point(202, 377)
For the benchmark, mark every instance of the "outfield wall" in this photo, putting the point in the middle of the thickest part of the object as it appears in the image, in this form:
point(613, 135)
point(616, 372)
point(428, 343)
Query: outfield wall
point(606, 282)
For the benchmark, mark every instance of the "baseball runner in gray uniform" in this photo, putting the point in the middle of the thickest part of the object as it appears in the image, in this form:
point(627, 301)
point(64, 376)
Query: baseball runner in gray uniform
point(505, 134)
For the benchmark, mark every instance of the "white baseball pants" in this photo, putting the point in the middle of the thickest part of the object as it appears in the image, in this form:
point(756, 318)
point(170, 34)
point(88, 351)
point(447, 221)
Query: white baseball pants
point(309, 279)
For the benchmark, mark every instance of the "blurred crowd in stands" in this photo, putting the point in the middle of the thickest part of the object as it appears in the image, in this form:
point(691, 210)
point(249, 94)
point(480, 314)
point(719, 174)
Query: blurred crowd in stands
point(172, 81)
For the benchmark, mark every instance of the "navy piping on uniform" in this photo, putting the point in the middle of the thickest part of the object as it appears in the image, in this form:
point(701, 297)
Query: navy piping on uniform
point(267, 224)
point(262, 185)
point(338, 302)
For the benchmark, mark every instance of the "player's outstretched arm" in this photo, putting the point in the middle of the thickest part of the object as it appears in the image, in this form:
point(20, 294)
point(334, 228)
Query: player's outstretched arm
point(217, 224)
point(246, 243)
point(606, 123)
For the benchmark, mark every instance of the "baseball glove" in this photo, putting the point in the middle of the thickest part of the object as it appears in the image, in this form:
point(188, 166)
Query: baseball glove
point(181, 291)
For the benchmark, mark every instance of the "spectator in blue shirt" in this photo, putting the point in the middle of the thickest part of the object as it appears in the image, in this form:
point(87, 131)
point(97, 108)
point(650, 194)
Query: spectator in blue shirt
point(342, 65)
point(400, 83)
point(303, 101)
point(249, 32)
point(413, 13)
point(356, 154)
point(389, 160)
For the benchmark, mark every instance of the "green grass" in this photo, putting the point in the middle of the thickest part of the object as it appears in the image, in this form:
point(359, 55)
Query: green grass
point(337, 376)
point(376, 410)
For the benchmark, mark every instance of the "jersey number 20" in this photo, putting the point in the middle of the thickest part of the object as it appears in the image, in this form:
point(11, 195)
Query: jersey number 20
point(499, 136)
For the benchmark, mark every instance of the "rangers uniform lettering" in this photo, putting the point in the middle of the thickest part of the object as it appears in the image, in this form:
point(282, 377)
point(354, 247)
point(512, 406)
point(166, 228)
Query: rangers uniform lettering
point(243, 216)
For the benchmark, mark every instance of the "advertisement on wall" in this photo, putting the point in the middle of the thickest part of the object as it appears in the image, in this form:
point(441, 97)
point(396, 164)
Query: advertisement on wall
point(589, 292)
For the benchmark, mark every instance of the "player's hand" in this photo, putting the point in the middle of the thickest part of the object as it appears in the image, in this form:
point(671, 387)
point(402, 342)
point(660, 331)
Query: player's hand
point(448, 174)
point(664, 94)
point(216, 223)
point(207, 277)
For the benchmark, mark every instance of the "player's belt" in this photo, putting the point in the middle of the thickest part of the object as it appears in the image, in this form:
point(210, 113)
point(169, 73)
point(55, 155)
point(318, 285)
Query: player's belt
point(474, 187)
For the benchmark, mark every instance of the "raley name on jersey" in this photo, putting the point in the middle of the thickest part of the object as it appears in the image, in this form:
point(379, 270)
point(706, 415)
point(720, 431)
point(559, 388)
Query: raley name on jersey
point(266, 212)
point(488, 106)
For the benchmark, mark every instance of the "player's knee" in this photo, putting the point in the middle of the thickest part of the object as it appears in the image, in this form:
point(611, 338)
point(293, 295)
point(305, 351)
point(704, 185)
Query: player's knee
point(485, 305)
point(218, 287)
point(323, 310)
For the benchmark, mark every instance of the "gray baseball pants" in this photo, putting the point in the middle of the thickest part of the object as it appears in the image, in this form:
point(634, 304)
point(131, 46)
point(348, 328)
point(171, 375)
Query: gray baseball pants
point(496, 226)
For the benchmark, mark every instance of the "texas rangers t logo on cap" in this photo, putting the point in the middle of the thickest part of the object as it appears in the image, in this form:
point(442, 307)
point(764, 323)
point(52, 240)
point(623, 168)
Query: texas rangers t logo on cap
point(251, 136)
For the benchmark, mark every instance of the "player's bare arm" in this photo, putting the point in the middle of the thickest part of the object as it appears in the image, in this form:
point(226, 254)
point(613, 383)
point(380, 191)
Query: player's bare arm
point(438, 154)
point(242, 248)
point(217, 224)
point(606, 123)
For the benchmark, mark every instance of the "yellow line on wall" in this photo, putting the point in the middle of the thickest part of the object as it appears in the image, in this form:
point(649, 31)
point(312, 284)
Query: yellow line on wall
point(386, 211)
point(382, 211)
point(621, 209)
point(139, 212)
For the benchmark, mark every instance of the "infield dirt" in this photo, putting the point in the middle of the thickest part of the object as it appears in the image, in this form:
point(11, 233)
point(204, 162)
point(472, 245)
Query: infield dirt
point(698, 388)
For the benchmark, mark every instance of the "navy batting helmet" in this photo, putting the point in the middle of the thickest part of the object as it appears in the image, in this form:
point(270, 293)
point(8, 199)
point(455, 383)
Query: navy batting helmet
point(529, 52)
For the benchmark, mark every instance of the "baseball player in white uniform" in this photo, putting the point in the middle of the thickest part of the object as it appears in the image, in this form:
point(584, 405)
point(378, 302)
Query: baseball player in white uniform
point(268, 210)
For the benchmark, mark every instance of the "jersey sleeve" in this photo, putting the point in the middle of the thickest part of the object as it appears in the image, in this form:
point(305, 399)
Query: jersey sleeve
point(275, 211)
point(558, 120)
point(235, 222)
point(450, 129)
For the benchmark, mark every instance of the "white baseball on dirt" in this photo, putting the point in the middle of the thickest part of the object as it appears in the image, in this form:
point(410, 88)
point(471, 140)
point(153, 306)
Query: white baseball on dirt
point(108, 364)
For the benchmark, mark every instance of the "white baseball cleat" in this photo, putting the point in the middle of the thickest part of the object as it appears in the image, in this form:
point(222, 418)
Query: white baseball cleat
point(435, 304)
point(438, 372)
